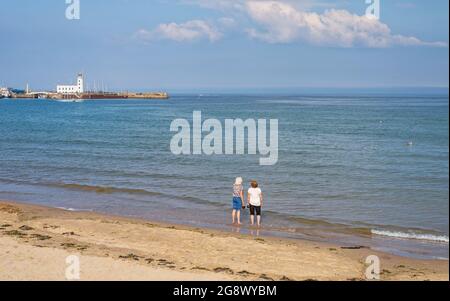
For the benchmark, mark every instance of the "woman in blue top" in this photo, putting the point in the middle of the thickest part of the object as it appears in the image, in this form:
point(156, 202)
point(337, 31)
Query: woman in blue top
point(238, 200)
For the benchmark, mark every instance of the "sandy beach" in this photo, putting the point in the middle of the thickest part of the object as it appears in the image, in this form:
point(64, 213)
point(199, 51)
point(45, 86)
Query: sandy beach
point(35, 242)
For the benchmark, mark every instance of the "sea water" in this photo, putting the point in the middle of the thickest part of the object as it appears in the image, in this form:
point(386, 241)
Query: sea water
point(355, 169)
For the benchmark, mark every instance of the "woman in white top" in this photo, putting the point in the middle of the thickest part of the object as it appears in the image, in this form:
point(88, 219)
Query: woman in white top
point(255, 202)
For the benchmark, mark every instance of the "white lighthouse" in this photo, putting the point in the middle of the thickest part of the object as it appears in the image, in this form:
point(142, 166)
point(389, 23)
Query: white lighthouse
point(80, 83)
point(72, 89)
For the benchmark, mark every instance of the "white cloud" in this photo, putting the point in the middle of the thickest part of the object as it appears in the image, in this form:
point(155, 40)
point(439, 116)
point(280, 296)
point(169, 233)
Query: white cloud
point(181, 32)
point(226, 22)
point(224, 5)
point(240, 5)
point(283, 23)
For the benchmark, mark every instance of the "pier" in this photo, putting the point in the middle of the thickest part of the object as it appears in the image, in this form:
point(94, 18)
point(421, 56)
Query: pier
point(78, 92)
point(89, 95)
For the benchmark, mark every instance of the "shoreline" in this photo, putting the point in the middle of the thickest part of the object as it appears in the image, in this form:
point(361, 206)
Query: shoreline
point(395, 240)
point(35, 240)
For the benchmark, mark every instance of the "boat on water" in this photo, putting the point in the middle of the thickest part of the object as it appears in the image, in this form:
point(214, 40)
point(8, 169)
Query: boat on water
point(5, 92)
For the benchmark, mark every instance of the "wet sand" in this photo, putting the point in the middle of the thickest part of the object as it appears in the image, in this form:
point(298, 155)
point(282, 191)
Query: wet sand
point(35, 242)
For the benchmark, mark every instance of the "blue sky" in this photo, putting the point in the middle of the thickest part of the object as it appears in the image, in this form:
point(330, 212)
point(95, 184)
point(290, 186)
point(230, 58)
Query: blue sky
point(183, 45)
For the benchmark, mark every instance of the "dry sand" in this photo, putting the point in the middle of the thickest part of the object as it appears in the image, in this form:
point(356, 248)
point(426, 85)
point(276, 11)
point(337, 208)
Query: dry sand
point(35, 242)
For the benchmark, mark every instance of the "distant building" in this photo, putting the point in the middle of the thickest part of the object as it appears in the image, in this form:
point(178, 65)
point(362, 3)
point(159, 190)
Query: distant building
point(72, 89)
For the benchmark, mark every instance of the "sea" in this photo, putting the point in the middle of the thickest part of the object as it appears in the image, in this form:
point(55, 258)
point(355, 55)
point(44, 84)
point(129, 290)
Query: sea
point(356, 169)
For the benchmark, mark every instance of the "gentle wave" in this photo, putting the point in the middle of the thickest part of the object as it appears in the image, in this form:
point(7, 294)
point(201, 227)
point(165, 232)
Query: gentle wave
point(132, 191)
point(105, 189)
point(411, 235)
point(74, 210)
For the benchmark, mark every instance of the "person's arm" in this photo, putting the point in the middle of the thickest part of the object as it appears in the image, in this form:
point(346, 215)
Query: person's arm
point(261, 199)
point(242, 198)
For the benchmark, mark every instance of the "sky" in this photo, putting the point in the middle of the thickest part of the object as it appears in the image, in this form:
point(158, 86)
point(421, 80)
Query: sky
point(220, 45)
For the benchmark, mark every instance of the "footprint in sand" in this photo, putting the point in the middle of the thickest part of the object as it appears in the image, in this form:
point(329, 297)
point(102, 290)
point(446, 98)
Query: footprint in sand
point(40, 237)
point(15, 233)
point(245, 273)
point(74, 246)
point(131, 256)
point(70, 234)
point(223, 270)
point(265, 277)
point(26, 228)
point(200, 268)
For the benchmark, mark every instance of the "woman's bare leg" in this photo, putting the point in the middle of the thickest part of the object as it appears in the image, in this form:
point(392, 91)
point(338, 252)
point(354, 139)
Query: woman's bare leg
point(233, 215)
point(258, 220)
point(239, 216)
point(252, 219)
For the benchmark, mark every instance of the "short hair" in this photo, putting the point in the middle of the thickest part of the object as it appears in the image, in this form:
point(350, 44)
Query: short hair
point(254, 184)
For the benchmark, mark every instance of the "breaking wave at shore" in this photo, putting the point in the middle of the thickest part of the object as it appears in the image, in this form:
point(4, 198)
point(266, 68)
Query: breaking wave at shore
point(412, 235)
point(74, 209)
